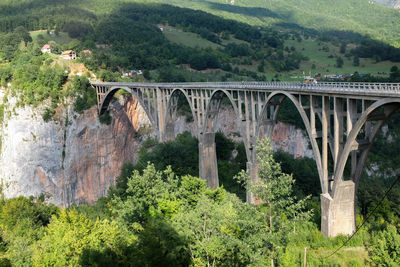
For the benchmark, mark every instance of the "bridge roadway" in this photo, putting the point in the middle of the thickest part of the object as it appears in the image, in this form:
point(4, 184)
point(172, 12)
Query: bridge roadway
point(342, 121)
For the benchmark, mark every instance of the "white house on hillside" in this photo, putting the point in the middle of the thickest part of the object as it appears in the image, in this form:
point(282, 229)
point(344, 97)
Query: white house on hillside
point(46, 49)
point(69, 54)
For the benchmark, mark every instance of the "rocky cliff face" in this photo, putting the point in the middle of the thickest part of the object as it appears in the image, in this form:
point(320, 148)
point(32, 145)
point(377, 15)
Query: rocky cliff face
point(74, 159)
point(285, 137)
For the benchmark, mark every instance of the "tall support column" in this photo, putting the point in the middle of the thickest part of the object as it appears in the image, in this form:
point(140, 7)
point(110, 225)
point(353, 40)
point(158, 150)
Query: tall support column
point(338, 213)
point(208, 168)
point(338, 209)
point(101, 92)
point(338, 129)
point(252, 171)
point(160, 98)
point(169, 133)
point(312, 115)
point(171, 117)
point(324, 118)
point(351, 119)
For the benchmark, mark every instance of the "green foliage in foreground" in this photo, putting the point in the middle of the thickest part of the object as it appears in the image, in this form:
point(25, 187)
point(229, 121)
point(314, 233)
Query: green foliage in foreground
point(71, 239)
point(385, 247)
point(162, 219)
point(157, 218)
point(274, 189)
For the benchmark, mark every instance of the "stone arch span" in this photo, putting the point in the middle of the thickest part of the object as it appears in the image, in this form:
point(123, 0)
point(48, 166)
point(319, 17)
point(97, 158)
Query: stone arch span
point(268, 119)
point(171, 112)
point(390, 106)
point(109, 96)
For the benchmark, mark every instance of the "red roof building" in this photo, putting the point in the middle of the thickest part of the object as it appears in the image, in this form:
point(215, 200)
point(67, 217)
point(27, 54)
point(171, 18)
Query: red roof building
point(46, 49)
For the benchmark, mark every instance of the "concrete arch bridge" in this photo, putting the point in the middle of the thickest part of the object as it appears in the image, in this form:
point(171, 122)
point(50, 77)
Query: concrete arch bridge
point(342, 121)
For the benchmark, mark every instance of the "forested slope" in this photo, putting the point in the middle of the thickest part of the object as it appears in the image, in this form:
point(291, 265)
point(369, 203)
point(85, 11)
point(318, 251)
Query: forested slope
point(356, 16)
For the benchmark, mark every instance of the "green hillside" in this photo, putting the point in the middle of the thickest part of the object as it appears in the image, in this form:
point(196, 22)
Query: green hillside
point(357, 16)
point(257, 40)
point(253, 40)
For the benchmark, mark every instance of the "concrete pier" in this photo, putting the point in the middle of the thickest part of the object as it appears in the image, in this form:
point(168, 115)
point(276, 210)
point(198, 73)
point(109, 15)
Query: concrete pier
point(338, 213)
point(208, 168)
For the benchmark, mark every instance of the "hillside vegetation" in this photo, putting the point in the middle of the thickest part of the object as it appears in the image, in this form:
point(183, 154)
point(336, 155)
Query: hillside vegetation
point(250, 40)
point(356, 16)
point(159, 216)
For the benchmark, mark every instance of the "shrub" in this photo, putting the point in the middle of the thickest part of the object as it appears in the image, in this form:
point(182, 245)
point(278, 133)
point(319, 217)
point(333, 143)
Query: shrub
point(105, 118)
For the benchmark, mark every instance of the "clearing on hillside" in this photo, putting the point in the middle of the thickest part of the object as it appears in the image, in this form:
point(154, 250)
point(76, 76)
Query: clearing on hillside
point(61, 38)
point(187, 38)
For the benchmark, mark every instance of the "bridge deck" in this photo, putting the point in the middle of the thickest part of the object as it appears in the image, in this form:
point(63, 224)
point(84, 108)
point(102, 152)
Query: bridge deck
point(354, 89)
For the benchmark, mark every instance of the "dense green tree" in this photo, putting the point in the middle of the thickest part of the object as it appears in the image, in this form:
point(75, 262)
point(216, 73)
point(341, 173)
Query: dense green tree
point(21, 224)
point(71, 239)
point(343, 48)
point(76, 29)
point(152, 198)
point(339, 62)
point(84, 93)
point(304, 172)
point(23, 34)
point(273, 190)
point(385, 247)
point(181, 154)
point(394, 74)
point(185, 222)
point(356, 61)
point(223, 232)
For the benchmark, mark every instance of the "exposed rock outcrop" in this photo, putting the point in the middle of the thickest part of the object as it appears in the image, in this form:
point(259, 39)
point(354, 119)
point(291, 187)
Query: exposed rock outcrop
point(285, 137)
point(75, 158)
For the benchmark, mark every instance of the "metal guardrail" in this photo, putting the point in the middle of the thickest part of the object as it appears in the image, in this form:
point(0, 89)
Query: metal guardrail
point(375, 89)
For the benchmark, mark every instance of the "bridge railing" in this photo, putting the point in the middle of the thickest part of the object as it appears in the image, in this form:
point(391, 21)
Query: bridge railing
point(376, 88)
point(328, 86)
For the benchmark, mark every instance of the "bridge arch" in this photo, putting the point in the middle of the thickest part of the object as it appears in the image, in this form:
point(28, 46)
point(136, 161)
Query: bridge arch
point(109, 96)
point(207, 148)
point(390, 106)
point(171, 112)
point(213, 107)
point(269, 116)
